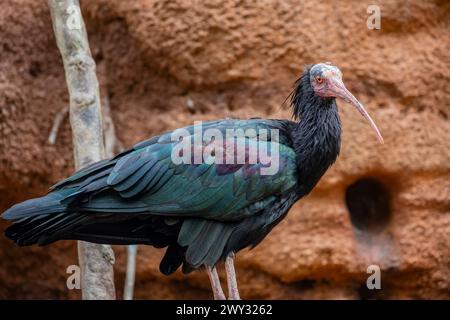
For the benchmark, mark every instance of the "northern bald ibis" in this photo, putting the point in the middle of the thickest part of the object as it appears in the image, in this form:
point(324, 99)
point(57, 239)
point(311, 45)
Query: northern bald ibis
point(201, 211)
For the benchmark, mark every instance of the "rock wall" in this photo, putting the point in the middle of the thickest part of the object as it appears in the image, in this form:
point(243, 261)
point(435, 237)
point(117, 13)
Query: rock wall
point(164, 64)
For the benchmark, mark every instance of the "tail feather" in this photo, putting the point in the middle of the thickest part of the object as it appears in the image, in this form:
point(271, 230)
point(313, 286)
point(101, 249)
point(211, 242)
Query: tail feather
point(49, 204)
point(45, 220)
point(39, 220)
point(43, 230)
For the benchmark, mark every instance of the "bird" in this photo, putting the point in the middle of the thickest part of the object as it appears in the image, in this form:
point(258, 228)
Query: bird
point(202, 211)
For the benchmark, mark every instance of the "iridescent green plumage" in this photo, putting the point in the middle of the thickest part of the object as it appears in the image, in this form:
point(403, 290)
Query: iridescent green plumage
point(202, 207)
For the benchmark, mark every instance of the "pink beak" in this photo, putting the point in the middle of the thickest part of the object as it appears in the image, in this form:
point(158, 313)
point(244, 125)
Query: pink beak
point(337, 87)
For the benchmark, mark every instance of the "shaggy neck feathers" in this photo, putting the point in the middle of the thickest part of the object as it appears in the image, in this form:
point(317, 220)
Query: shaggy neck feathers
point(317, 136)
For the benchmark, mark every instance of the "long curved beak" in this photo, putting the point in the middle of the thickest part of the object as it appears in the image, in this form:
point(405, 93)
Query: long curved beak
point(340, 91)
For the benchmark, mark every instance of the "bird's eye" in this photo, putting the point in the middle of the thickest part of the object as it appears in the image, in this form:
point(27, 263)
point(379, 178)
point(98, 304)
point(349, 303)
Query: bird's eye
point(319, 79)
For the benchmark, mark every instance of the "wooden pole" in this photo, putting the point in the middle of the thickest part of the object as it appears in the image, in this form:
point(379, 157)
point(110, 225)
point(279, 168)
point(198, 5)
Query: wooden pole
point(96, 261)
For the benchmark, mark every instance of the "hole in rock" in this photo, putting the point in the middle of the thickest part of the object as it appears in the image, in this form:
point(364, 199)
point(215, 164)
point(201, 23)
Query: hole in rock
point(305, 284)
point(368, 202)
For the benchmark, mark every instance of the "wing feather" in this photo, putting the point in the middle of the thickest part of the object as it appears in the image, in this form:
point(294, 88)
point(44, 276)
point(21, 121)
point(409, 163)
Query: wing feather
point(145, 179)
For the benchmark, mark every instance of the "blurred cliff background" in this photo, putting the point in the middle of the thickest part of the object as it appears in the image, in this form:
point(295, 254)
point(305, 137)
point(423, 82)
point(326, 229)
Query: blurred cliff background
point(164, 64)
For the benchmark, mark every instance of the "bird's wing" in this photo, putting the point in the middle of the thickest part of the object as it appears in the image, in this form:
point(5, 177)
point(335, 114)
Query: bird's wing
point(145, 179)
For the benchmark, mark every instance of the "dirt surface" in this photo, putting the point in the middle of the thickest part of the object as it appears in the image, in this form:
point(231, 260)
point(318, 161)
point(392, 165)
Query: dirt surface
point(164, 64)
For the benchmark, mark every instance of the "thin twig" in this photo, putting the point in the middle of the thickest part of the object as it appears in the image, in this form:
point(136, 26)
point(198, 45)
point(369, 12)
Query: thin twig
point(57, 121)
point(112, 144)
point(131, 271)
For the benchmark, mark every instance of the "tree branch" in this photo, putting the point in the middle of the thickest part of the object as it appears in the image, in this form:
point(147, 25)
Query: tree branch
point(96, 261)
point(112, 144)
point(57, 122)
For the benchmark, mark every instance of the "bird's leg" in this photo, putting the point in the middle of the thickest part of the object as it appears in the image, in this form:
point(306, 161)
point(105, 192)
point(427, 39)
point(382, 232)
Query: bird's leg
point(215, 283)
point(233, 292)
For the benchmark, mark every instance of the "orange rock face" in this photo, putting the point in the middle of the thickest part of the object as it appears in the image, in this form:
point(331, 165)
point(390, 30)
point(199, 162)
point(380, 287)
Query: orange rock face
point(164, 64)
